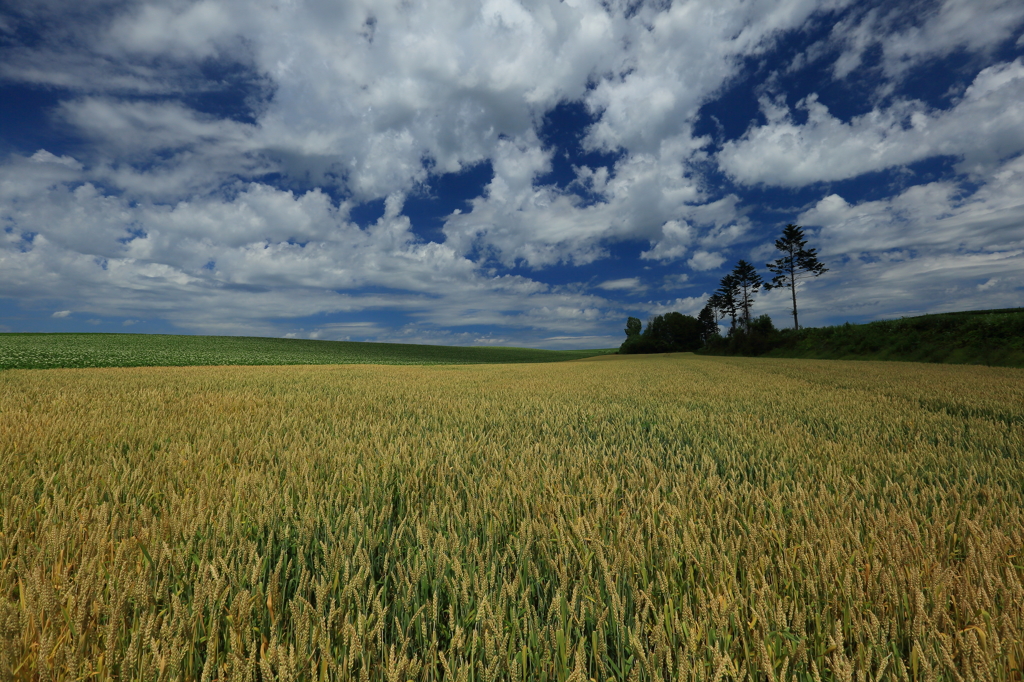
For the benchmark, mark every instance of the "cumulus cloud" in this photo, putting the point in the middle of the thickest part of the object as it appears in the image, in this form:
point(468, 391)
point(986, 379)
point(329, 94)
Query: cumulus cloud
point(659, 86)
point(675, 239)
point(705, 260)
point(377, 95)
point(371, 90)
point(237, 262)
point(986, 125)
point(657, 197)
point(61, 313)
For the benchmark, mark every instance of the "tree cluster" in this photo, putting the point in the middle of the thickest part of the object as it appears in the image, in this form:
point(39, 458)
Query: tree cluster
point(733, 300)
point(735, 295)
point(669, 333)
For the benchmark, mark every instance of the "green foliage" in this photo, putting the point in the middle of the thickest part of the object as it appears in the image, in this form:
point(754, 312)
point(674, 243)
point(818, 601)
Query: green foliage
point(44, 351)
point(708, 322)
point(719, 306)
point(725, 301)
point(747, 283)
point(988, 337)
point(633, 326)
point(762, 325)
point(669, 333)
point(759, 338)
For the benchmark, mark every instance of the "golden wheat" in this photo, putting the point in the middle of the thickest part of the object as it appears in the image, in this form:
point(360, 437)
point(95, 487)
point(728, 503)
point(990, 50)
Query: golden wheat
point(626, 518)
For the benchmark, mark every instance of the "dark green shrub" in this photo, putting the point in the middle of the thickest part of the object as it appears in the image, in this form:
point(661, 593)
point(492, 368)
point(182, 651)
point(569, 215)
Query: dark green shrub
point(669, 333)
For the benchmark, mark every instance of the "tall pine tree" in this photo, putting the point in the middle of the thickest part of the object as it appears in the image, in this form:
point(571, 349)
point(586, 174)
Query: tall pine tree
point(727, 295)
point(708, 319)
point(747, 283)
point(797, 263)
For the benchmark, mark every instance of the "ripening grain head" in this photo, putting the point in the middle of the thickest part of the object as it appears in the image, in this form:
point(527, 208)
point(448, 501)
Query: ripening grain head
point(669, 517)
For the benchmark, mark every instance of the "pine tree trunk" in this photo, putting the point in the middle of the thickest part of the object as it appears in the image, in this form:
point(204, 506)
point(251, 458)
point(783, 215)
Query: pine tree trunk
point(792, 286)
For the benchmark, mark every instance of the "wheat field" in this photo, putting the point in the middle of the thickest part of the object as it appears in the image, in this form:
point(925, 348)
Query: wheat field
point(621, 518)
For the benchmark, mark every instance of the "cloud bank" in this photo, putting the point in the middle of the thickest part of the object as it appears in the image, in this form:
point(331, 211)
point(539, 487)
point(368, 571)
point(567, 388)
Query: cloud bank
point(208, 163)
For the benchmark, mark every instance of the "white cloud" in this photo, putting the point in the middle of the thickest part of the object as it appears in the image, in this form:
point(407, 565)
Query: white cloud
point(236, 263)
point(690, 305)
point(43, 156)
point(857, 36)
point(490, 341)
point(934, 217)
point(583, 341)
point(625, 284)
point(165, 211)
point(986, 125)
point(365, 92)
point(649, 196)
point(677, 58)
point(673, 282)
point(381, 86)
point(345, 331)
point(907, 37)
point(705, 260)
point(61, 313)
point(674, 242)
point(932, 248)
point(192, 31)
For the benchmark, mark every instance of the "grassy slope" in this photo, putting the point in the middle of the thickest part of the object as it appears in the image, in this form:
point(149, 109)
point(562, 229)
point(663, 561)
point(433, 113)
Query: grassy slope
point(41, 351)
point(982, 337)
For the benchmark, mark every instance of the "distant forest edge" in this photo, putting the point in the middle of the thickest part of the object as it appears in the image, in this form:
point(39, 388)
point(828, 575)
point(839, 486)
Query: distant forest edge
point(983, 337)
point(53, 351)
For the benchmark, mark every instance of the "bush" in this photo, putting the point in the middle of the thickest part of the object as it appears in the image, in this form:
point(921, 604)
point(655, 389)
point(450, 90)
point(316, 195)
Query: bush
point(994, 337)
point(760, 338)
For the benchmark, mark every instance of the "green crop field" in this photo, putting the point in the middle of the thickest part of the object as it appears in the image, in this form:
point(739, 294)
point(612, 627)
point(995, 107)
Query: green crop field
point(617, 518)
point(47, 351)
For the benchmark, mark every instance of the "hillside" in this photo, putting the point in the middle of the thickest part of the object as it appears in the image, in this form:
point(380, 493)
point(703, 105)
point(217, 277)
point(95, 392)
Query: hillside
point(44, 351)
point(982, 337)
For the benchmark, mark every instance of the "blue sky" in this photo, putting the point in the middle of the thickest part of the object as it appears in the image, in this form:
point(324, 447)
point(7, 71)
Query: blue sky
point(499, 172)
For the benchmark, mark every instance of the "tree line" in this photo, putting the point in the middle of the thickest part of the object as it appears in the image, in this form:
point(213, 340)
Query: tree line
point(733, 300)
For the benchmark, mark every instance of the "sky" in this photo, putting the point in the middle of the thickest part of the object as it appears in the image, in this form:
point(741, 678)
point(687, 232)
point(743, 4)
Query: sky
point(493, 172)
